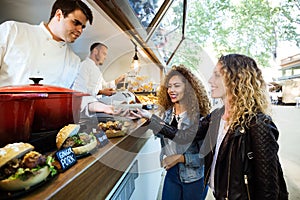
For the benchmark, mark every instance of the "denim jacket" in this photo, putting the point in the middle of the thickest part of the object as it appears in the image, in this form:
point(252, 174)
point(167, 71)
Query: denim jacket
point(193, 168)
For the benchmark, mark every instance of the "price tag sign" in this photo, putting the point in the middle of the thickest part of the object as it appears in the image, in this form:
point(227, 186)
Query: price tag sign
point(102, 138)
point(66, 158)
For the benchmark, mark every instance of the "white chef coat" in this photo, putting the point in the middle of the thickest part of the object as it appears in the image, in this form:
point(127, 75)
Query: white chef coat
point(30, 51)
point(90, 79)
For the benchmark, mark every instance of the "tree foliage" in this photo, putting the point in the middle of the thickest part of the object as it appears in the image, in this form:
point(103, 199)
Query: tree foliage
point(251, 27)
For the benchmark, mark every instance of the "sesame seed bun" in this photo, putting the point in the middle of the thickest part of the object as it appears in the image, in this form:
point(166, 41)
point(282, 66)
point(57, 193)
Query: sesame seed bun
point(65, 132)
point(15, 150)
point(70, 130)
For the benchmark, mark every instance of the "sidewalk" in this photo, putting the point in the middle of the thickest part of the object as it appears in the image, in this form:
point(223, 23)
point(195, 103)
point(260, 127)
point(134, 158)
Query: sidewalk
point(287, 119)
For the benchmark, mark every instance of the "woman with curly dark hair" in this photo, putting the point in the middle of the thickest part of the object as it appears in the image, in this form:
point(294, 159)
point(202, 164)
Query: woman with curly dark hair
point(195, 99)
point(183, 100)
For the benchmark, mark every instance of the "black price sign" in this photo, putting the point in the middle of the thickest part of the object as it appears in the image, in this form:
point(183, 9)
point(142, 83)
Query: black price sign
point(66, 158)
point(102, 138)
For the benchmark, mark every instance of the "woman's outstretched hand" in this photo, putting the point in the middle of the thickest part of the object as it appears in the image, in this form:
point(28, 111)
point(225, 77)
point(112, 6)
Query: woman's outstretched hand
point(141, 113)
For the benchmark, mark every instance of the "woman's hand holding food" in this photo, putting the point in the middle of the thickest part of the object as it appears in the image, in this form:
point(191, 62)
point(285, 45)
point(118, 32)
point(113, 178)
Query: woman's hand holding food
point(141, 113)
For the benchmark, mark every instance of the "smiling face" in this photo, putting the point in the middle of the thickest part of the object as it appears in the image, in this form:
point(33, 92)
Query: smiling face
point(67, 28)
point(216, 83)
point(176, 88)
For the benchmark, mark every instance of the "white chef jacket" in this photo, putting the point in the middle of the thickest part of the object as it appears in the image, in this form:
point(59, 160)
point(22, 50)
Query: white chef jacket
point(30, 51)
point(90, 79)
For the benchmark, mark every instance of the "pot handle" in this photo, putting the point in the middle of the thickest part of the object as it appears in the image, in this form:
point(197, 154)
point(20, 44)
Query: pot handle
point(35, 80)
point(80, 94)
point(23, 96)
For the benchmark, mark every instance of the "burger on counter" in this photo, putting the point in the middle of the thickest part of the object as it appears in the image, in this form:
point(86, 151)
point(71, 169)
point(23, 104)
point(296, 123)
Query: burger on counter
point(114, 128)
point(22, 168)
point(80, 142)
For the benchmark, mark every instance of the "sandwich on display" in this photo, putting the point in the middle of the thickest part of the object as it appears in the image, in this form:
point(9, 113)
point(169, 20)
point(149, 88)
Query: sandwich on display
point(21, 167)
point(80, 142)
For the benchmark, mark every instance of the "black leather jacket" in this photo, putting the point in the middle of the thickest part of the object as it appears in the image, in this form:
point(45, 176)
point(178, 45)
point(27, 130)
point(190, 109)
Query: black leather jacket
point(234, 167)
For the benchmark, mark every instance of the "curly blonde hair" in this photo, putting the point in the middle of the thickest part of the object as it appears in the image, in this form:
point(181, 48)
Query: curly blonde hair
point(195, 98)
point(245, 87)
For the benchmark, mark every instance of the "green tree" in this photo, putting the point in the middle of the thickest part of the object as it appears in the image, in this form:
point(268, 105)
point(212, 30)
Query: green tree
point(251, 27)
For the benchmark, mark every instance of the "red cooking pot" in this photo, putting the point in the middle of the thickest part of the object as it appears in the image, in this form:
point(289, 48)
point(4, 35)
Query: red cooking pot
point(16, 116)
point(61, 107)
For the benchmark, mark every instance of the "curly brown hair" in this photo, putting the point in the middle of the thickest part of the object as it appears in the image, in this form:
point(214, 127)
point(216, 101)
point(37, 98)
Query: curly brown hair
point(195, 98)
point(245, 87)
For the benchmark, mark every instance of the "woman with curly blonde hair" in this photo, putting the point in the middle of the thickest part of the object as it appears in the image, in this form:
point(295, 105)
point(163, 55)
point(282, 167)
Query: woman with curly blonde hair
point(183, 100)
point(245, 89)
point(241, 143)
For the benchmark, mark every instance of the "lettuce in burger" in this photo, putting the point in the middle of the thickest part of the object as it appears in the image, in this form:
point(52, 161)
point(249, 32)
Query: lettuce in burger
point(80, 143)
point(21, 167)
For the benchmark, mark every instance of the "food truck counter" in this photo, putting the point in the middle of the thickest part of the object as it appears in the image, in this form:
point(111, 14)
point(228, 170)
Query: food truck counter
point(106, 172)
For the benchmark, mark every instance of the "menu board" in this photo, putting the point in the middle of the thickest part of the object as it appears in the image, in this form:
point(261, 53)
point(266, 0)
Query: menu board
point(66, 158)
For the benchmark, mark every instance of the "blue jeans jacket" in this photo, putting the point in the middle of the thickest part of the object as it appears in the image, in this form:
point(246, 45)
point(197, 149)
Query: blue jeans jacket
point(193, 168)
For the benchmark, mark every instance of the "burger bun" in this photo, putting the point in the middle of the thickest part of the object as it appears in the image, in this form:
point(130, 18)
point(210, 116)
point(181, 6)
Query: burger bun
point(18, 184)
point(65, 132)
point(70, 130)
point(86, 148)
point(15, 150)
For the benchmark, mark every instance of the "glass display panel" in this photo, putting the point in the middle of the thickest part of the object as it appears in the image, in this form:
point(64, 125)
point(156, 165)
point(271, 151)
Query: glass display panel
point(145, 10)
point(169, 32)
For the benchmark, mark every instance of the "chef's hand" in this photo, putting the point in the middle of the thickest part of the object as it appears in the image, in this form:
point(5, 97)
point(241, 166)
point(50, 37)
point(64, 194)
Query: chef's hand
point(107, 91)
point(120, 79)
point(122, 112)
point(170, 161)
point(141, 113)
point(100, 107)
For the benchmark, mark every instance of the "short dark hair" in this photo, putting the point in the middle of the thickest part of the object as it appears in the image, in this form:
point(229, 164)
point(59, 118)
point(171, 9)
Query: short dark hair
point(68, 6)
point(97, 44)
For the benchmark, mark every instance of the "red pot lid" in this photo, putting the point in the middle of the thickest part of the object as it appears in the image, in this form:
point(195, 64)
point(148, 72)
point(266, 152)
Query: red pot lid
point(36, 88)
